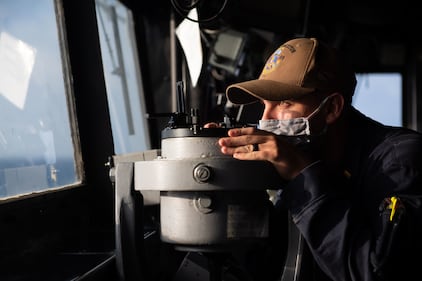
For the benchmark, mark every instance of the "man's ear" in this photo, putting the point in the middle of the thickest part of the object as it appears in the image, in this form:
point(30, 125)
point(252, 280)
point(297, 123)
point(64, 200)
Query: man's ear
point(334, 107)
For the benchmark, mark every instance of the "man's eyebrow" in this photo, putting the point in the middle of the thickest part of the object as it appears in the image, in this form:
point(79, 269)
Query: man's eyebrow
point(289, 100)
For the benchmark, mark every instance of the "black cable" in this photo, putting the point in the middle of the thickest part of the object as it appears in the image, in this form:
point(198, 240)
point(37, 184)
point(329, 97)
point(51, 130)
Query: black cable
point(182, 11)
point(187, 8)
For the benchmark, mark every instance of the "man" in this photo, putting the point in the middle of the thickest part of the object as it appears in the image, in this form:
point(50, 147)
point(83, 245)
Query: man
point(352, 185)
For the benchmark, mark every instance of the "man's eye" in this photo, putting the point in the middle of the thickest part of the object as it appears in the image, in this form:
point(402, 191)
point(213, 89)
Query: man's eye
point(284, 103)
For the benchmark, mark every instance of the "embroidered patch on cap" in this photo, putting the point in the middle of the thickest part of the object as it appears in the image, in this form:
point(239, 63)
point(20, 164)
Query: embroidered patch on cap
point(273, 61)
point(276, 58)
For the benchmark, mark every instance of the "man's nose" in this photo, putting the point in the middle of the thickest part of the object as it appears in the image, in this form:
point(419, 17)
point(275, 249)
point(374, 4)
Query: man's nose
point(268, 113)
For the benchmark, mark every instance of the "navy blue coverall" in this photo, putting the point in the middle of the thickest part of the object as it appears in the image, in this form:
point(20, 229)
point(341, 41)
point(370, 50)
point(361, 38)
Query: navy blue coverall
point(362, 220)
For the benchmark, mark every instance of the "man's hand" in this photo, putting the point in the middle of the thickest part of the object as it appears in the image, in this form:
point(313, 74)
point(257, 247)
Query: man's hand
point(288, 160)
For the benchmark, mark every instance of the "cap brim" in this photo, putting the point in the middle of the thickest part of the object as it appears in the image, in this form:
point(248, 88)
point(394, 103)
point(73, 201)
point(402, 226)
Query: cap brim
point(254, 90)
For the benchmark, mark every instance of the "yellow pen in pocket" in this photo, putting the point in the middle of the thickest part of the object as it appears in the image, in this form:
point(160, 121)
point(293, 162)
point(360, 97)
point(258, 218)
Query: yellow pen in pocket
point(393, 206)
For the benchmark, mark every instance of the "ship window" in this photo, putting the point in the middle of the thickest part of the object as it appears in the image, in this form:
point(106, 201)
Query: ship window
point(122, 75)
point(37, 150)
point(379, 96)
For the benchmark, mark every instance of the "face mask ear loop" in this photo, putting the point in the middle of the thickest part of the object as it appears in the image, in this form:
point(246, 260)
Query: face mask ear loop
point(315, 112)
point(318, 109)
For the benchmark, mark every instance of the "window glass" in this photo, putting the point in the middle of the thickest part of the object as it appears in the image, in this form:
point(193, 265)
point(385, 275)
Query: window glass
point(379, 96)
point(36, 147)
point(122, 76)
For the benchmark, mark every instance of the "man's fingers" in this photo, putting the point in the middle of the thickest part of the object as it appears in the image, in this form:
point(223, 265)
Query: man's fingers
point(242, 131)
point(242, 140)
point(244, 149)
point(212, 125)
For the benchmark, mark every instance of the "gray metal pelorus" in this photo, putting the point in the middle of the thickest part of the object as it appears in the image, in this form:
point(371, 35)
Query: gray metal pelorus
point(208, 201)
